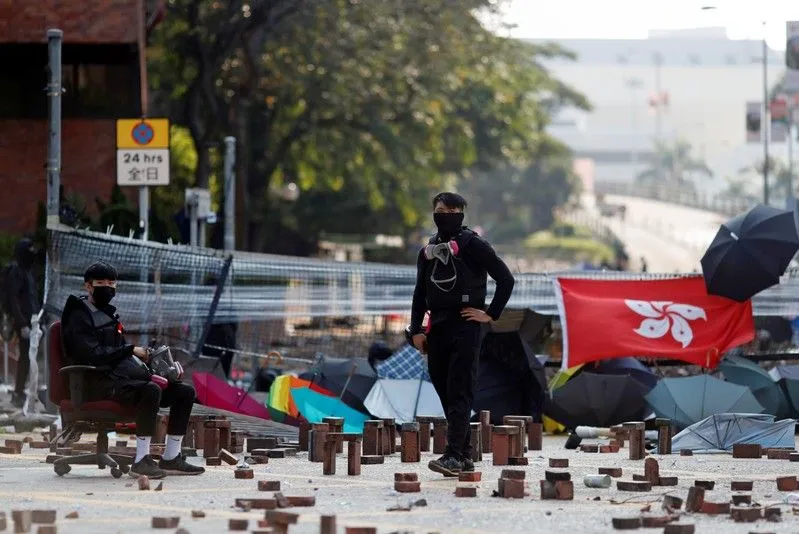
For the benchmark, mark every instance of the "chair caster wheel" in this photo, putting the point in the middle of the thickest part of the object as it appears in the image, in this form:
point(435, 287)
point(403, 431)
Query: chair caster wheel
point(62, 469)
point(116, 472)
point(125, 468)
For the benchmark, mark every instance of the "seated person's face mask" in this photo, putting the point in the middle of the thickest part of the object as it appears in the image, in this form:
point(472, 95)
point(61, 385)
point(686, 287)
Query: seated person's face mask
point(102, 295)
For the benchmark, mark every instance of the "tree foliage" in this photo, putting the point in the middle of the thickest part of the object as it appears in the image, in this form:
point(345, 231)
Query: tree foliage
point(368, 106)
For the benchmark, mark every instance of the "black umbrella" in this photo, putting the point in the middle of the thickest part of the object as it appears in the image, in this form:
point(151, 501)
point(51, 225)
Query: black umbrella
point(597, 400)
point(750, 252)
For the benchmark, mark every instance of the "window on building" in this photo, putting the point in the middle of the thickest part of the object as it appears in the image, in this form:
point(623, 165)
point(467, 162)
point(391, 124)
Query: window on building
point(100, 81)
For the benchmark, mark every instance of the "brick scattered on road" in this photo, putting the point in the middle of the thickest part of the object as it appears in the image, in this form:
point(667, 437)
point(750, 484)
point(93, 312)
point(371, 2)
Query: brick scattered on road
point(165, 522)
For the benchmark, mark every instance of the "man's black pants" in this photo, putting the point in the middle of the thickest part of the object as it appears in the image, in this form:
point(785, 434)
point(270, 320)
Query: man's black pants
point(23, 364)
point(148, 398)
point(453, 357)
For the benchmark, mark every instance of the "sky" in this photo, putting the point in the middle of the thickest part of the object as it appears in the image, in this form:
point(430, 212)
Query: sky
point(632, 19)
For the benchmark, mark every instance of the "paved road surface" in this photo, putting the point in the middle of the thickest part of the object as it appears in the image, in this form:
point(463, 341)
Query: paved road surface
point(670, 237)
point(106, 505)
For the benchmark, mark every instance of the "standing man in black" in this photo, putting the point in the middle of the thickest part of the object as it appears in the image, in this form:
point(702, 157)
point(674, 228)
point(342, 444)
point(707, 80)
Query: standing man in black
point(22, 303)
point(451, 283)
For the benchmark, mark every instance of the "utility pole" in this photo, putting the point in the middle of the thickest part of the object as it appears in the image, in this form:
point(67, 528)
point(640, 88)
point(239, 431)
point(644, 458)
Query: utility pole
point(55, 39)
point(766, 119)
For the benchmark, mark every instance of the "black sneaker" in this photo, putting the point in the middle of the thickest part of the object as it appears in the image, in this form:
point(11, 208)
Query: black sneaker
point(448, 465)
point(146, 467)
point(468, 465)
point(179, 466)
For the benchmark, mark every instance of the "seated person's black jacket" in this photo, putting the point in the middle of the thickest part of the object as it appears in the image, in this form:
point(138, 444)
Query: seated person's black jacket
point(94, 336)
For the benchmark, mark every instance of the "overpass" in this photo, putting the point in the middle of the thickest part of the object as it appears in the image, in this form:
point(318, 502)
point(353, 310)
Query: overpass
point(669, 231)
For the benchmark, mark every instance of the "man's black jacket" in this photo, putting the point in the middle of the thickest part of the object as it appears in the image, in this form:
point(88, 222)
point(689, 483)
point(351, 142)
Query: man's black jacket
point(95, 337)
point(21, 287)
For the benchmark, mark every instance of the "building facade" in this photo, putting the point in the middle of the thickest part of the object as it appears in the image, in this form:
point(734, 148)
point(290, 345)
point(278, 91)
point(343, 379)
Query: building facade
point(691, 84)
point(101, 65)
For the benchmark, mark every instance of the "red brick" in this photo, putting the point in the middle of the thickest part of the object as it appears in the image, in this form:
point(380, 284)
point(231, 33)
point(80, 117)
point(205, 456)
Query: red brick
point(706, 484)
point(614, 472)
point(560, 463)
point(407, 487)
point(626, 523)
point(360, 530)
point(564, 490)
point(165, 522)
point(406, 477)
point(238, 524)
point(715, 508)
point(243, 473)
point(197, 514)
point(741, 499)
point(667, 481)
point(626, 485)
point(787, 483)
point(747, 450)
point(779, 454)
point(679, 528)
point(227, 457)
point(301, 500)
point(741, 485)
point(517, 460)
point(657, 521)
point(515, 474)
point(470, 476)
point(511, 488)
point(466, 491)
point(213, 460)
point(553, 476)
point(268, 485)
point(43, 516)
point(256, 504)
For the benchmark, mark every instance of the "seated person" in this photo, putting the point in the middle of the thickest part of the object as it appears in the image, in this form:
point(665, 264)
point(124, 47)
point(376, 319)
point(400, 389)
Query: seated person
point(93, 335)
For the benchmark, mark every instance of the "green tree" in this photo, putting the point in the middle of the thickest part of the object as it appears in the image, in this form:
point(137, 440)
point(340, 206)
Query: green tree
point(368, 106)
point(671, 163)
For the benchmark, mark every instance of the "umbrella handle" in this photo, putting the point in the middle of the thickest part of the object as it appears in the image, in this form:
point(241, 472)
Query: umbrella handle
point(347, 383)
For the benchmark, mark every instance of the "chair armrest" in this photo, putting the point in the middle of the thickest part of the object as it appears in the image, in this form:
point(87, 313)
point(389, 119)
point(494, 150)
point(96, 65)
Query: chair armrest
point(77, 383)
point(82, 368)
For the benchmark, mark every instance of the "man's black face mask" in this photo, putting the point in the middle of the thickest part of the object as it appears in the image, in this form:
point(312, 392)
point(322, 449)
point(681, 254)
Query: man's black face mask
point(448, 223)
point(102, 295)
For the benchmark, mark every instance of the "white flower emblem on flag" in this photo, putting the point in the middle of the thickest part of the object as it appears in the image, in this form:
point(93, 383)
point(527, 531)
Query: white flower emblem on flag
point(662, 316)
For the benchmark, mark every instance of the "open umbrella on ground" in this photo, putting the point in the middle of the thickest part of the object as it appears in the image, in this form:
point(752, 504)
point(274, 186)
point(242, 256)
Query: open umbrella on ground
point(281, 404)
point(750, 252)
point(403, 400)
point(531, 325)
point(597, 400)
point(687, 400)
point(510, 379)
point(787, 378)
point(721, 431)
point(745, 372)
point(627, 366)
point(216, 393)
point(315, 406)
point(350, 379)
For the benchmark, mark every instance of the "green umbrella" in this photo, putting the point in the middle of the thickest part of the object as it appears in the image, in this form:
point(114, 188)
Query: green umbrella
point(745, 372)
point(787, 378)
point(687, 400)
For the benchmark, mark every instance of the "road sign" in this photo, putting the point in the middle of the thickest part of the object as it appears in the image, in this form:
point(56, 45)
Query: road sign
point(142, 133)
point(142, 152)
point(143, 167)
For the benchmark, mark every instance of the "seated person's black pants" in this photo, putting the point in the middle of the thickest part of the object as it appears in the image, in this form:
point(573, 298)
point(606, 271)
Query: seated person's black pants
point(147, 398)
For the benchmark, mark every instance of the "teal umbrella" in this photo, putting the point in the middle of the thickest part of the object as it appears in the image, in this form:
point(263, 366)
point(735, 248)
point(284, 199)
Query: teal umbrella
point(315, 407)
point(687, 400)
point(745, 372)
point(787, 378)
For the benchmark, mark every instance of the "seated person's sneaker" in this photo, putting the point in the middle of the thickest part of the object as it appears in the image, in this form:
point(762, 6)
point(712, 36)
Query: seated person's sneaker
point(468, 465)
point(179, 466)
point(448, 465)
point(148, 468)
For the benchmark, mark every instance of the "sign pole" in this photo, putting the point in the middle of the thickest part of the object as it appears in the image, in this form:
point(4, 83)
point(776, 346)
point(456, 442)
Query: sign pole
point(54, 40)
point(144, 210)
point(230, 193)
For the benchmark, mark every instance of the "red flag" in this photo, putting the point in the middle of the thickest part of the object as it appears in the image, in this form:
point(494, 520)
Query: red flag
point(673, 318)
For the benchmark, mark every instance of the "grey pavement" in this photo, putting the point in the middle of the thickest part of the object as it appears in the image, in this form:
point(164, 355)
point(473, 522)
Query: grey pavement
point(108, 505)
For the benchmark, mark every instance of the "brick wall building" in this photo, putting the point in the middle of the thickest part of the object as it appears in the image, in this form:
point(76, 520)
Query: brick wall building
point(101, 71)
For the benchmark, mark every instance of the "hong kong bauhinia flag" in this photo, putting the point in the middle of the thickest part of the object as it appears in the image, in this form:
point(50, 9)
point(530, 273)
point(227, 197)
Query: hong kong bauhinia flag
point(671, 318)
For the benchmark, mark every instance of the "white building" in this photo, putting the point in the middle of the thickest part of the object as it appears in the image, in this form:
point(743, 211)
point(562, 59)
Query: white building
point(707, 78)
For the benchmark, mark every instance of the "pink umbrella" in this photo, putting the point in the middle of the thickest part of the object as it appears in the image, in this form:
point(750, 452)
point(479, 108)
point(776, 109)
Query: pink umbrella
point(216, 393)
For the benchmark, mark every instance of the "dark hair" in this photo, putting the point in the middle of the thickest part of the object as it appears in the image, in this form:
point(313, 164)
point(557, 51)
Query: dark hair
point(100, 270)
point(450, 200)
